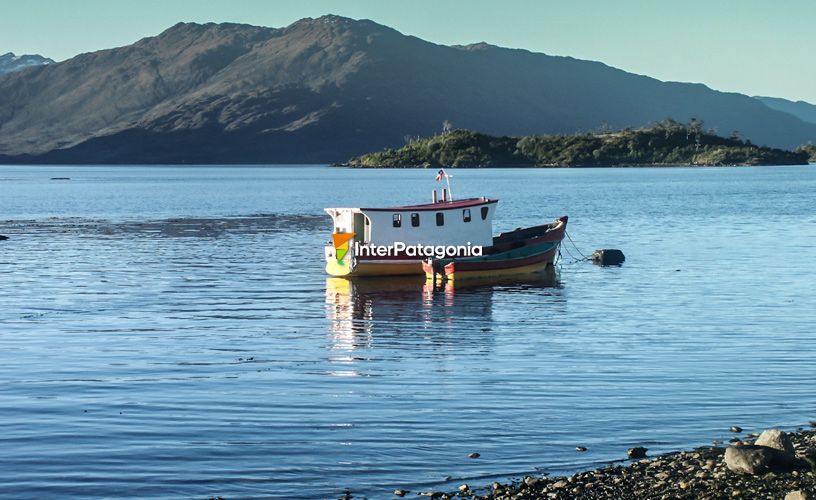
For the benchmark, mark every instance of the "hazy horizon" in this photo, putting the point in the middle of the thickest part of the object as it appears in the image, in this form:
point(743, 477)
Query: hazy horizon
point(728, 47)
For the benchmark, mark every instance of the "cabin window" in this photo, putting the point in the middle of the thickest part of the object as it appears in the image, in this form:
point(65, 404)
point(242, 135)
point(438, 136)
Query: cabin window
point(397, 220)
point(466, 215)
point(484, 212)
point(415, 220)
point(440, 219)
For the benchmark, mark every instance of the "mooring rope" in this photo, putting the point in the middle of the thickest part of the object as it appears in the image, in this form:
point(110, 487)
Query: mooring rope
point(576, 259)
point(566, 249)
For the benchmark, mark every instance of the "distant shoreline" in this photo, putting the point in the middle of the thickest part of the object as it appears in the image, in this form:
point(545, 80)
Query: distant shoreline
point(390, 167)
point(667, 143)
point(576, 167)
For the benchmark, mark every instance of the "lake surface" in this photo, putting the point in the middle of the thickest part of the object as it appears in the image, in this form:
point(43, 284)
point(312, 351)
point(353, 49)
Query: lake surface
point(169, 331)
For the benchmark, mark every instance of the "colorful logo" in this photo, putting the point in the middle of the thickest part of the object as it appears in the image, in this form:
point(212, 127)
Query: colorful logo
point(341, 245)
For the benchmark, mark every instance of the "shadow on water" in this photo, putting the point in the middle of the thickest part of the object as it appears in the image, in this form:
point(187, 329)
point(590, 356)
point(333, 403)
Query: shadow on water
point(375, 312)
point(202, 227)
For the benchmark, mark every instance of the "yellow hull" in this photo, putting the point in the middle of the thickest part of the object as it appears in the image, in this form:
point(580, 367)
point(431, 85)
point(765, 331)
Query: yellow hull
point(494, 273)
point(374, 269)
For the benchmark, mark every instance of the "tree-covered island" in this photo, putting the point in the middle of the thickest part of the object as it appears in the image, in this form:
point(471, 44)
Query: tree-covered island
point(666, 143)
point(810, 150)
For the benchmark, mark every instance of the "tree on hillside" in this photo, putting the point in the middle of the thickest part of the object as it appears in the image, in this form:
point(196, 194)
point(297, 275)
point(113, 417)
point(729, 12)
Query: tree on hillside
point(695, 128)
point(669, 127)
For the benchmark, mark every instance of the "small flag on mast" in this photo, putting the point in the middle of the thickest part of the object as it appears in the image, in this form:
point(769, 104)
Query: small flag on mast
point(444, 175)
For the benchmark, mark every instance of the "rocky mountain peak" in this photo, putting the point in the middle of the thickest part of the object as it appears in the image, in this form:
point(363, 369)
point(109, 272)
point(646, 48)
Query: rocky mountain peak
point(10, 63)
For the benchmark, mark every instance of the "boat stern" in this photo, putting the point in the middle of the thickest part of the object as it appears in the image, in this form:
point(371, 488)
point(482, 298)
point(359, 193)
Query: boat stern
point(338, 267)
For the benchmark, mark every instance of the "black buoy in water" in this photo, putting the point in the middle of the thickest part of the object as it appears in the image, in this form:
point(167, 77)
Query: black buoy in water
point(608, 257)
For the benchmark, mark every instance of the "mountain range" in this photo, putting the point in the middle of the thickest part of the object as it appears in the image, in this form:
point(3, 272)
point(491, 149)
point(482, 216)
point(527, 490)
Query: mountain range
point(10, 62)
point(800, 109)
point(326, 89)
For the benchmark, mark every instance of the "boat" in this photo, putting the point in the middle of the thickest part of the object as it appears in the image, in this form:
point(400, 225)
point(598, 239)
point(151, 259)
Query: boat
point(519, 252)
point(444, 239)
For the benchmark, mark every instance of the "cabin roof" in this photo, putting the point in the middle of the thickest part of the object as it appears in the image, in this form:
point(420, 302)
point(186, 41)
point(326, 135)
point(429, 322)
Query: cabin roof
point(441, 205)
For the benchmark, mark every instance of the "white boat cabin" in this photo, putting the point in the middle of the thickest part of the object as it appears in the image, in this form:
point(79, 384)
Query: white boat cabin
point(460, 222)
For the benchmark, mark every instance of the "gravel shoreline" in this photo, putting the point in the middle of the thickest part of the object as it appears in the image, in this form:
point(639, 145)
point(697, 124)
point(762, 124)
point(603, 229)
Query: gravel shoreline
point(775, 465)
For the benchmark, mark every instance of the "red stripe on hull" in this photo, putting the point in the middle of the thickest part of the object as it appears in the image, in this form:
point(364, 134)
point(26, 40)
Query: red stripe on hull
point(440, 205)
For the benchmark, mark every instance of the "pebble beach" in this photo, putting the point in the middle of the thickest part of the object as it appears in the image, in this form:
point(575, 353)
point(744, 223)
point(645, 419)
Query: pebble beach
point(772, 465)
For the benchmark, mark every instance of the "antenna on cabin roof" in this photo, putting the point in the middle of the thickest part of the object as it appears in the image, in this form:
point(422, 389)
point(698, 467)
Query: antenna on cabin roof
point(439, 176)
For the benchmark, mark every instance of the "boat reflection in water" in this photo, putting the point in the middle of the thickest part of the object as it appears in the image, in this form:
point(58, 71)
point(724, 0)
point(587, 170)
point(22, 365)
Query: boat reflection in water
point(400, 312)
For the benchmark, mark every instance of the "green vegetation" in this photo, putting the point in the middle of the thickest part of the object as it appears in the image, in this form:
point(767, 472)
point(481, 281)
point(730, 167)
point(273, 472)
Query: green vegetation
point(810, 150)
point(667, 143)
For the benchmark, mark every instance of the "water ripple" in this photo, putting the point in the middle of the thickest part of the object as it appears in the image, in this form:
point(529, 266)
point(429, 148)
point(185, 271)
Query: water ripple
point(154, 355)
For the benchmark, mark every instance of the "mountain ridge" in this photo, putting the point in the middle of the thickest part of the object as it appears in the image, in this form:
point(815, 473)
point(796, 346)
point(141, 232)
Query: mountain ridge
point(803, 110)
point(325, 89)
point(9, 62)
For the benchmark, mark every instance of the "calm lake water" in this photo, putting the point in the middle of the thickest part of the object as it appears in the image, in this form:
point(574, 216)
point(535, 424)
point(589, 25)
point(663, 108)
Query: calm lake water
point(169, 332)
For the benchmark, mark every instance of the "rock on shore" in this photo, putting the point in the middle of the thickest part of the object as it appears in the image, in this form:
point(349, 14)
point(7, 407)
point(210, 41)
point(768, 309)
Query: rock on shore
point(699, 474)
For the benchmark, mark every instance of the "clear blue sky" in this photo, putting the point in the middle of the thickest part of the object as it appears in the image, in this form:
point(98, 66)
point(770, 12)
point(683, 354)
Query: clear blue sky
point(749, 46)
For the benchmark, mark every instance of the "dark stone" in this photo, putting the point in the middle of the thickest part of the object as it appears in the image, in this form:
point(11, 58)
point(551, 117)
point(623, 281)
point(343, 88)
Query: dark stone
point(608, 257)
point(474, 455)
point(735, 428)
point(580, 448)
point(637, 452)
point(3, 238)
